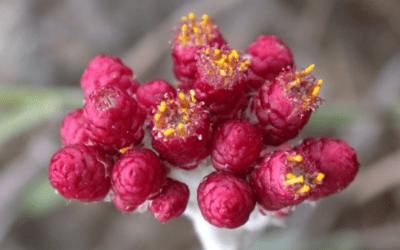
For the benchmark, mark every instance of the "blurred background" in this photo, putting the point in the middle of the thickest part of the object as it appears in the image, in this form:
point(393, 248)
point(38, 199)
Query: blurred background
point(46, 44)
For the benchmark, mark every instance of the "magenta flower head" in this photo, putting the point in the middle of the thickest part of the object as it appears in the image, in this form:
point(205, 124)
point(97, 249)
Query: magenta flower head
point(151, 93)
point(220, 81)
point(236, 146)
point(106, 71)
point(113, 119)
point(269, 56)
point(284, 178)
point(225, 200)
point(81, 172)
point(283, 107)
point(333, 158)
point(181, 131)
point(73, 129)
point(191, 36)
point(171, 202)
point(136, 175)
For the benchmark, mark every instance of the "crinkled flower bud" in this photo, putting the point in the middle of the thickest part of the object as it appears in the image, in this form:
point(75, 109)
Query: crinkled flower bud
point(220, 81)
point(181, 131)
point(284, 178)
point(191, 35)
point(283, 107)
point(269, 56)
point(73, 129)
point(113, 119)
point(106, 71)
point(225, 200)
point(236, 146)
point(151, 93)
point(137, 175)
point(123, 206)
point(81, 172)
point(335, 159)
point(171, 202)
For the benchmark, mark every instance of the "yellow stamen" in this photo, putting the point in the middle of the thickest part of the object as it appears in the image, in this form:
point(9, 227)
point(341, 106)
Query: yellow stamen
point(184, 28)
point(181, 129)
point(290, 176)
point(244, 65)
point(123, 150)
point(163, 106)
point(294, 180)
point(222, 73)
point(195, 30)
point(207, 51)
point(233, 55)
point(183, 110)
point(303, 189)
point(191, 16)
point(319, 178)
point(192, 94)
point(216, 52)
point(157, 118)
point(319, 82)
point(169, 132)
point(182, 96)
point(185, 118)
point(297, 158)
point(205, 17)
point(184, 18)
point(315, 91)
point(306, 71)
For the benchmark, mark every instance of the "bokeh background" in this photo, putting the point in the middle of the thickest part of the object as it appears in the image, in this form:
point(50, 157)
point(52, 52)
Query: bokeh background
point(46, 44)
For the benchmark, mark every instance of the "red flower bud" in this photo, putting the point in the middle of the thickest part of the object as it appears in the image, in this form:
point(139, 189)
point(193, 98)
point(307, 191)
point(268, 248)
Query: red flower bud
point(225, 200)
point(181, 131)
point(137, 175)
point(335, 159)
point(73, 129)
point(269, 56)
point(236, 146)
point(122, 205)
point(191, 36)
point(171, 202)
point(113, 119)
point(283, 107)
point(106, 71)
point(81, 172)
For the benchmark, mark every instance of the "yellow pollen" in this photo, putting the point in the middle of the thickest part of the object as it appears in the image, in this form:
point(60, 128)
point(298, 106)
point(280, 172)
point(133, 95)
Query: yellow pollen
point(181, 129)
point(191, 16)
point(185, 118)
point(182, 96)
point(163, 106)
point(184, 18)
point(315, 91)
point(192, 94)
point(292, 179)
point(319, 82)
point(123, 150)
point(195, 30)
point(184, 28)
point(207, 51)
point(205, 17)
point(169, 132)
point(183, 110)
point(216, 52)
point(297, 158)
point(303, 189)
point(222, 73)
point(244, 65)
point(319, 178)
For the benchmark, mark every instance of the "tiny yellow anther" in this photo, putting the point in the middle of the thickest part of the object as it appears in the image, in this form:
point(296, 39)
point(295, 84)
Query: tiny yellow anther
point(169, 132)
point(294, 180)
point(309, 69)
point(184, 28)
point(185, 118)
point(233, 54)
point(157, 117)
point(207, 51)
point(123, 150)
point(184, 18)
point(290, 176)
point(192, 94)
point(315, 91)
point(297, 158)
point(216, 52)
point(183, 110)
point(195, 30)
point(191, 16)
point(303, 189)
point(222, 72)
point(163, 106)
point(182, 96)
point(181, 129)
point(319, 82)
point(319, 178)
point(205, 17)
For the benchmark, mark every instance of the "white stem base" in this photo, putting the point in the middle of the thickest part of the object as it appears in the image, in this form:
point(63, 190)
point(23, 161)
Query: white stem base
point(211, 237)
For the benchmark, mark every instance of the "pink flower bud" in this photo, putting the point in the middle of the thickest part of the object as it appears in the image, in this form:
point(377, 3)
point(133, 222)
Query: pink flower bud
point(236, 146)
point(73, 129)
point(106, 71)
point(171, 202)
point(81, 172)
point(225, 200)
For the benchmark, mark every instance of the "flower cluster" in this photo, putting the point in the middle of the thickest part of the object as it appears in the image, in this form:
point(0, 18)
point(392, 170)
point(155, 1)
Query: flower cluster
point(237, 109)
